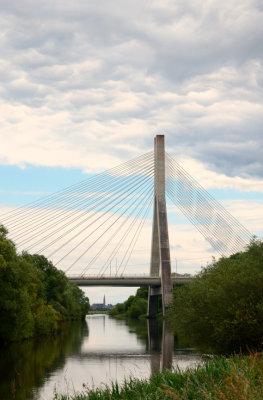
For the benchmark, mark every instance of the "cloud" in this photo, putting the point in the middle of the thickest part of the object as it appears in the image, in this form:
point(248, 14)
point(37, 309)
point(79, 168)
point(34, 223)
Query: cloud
point(249, 213)
point(88, 85)
point(210, 179)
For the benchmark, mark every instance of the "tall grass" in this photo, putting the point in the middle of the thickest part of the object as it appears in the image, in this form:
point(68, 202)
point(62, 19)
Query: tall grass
point(235, 378)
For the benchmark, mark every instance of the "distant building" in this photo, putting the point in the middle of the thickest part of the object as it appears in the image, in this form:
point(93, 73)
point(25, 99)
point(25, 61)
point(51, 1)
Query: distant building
point(101, 306)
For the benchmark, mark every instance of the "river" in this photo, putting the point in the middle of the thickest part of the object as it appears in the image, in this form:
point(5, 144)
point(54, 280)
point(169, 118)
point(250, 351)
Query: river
point(94, 353)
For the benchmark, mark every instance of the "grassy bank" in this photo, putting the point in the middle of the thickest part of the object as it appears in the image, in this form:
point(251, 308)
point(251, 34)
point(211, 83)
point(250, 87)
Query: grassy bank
point(236, 378)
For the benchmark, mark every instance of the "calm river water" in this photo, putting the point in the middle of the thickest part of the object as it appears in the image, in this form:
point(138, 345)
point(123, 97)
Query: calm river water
point(94, 353)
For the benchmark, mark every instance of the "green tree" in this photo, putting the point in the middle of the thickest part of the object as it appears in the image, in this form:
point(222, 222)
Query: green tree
point(35, 296)
point(137, 308)
point(223, 307)
point(134, 307)
point(68, 300)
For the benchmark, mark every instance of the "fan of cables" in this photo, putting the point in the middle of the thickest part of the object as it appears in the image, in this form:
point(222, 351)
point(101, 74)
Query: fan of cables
point(89, 225)
point(86, 227)
point(224, 233)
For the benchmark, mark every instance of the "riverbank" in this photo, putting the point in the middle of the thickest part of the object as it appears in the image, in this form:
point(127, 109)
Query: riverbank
point(221, 378)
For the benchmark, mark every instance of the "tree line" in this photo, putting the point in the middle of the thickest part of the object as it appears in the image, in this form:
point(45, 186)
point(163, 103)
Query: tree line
point(36, 297)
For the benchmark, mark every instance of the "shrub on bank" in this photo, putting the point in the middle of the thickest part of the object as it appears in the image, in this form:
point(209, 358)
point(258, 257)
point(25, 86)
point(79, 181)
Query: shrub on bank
point(134, 307)
point(223, 307)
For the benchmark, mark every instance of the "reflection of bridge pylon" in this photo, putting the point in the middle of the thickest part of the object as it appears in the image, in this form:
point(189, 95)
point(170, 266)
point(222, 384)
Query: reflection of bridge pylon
point(161, 355)
point(160, 252)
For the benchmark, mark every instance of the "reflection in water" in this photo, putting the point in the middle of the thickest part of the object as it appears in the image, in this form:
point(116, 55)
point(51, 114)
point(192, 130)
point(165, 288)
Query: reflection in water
point(26, 365)
point(96, 353)
point(161, 351)
point(167, 347)
point(154, 345)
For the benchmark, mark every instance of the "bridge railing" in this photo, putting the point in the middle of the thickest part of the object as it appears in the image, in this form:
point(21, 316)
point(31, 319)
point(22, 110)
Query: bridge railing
point(87, 276)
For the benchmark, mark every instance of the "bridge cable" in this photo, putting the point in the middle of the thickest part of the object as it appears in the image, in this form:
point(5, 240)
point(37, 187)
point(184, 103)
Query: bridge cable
point(72, 188)
point(134, 240)
point(138, 168)
point(216, 227)
point(82, 254)
point(201, 230)
point(109, 200)
point(99, 217)
point(123, 238)
point(208, 196)
point(199, 207)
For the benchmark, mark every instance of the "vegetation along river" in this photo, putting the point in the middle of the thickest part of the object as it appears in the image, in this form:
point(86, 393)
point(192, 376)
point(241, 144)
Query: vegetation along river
point(94, 353)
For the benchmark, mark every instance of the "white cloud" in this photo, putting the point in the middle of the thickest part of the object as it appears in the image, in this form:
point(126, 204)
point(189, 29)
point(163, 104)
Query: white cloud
point(249, 213)
point(89, 78)
point(210, 179)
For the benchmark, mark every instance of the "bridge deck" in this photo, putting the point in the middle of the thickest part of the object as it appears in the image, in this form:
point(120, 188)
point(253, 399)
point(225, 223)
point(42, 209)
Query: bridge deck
point(124, 280)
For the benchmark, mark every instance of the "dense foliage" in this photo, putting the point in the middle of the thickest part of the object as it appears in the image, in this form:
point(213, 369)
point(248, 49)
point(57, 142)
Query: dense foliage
point(134, 307)
point(237, 378)
point(35, 296)
point(223, 307)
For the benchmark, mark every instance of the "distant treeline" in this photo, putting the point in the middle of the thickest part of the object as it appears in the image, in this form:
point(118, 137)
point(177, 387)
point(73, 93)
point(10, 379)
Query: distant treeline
point(36, 298)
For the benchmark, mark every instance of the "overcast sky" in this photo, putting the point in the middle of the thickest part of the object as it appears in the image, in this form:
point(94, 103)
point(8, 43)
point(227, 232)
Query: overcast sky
point(86, 85)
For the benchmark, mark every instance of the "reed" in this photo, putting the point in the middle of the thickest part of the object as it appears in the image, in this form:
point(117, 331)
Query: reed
point(221, 378)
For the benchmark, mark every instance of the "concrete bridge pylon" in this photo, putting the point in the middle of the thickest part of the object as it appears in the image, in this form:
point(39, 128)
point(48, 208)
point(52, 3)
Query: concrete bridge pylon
point(160, 264)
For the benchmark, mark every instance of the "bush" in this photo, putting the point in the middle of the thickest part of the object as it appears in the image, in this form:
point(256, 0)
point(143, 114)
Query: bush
point(134, 307)
point(46, 319)
point(223, 307)
point(138, 308)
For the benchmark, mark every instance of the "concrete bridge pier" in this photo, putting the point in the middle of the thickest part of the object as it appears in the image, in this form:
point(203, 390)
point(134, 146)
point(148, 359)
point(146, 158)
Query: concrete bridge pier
point(152, 304)
point(160, 252)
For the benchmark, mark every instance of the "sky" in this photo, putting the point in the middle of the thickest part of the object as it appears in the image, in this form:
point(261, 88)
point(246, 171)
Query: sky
point(86, 86)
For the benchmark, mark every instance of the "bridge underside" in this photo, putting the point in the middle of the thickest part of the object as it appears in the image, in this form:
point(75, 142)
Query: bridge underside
point(122, 281)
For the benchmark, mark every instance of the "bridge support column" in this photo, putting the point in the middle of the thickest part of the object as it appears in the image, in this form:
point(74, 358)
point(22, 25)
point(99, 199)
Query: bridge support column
point(160, 253)
point(152, 304)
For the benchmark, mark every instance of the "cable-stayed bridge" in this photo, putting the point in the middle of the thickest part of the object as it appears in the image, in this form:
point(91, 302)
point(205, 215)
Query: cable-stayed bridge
point(86, 227)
